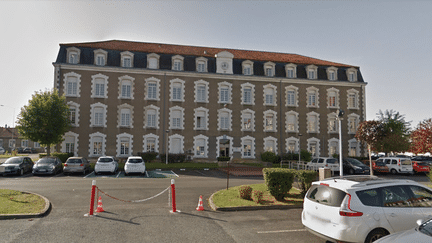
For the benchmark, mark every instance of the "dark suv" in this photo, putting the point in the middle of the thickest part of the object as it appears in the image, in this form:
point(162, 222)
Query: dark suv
point(352, 166)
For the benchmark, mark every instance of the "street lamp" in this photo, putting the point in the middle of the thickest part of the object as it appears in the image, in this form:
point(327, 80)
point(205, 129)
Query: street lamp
point(339, 118)
point(166, 155)
point(13, 126)
point(299, 150)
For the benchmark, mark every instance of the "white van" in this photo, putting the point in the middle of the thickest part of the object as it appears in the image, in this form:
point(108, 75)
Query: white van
point(397, 165)
point(323, 162)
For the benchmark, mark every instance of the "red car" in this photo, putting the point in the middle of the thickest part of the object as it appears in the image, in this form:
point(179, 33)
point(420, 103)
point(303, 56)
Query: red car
point(420, 167)
point(379, 167)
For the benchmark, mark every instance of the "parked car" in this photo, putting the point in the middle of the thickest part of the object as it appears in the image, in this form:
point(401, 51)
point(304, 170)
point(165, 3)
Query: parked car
point(419, 234)
point(398, 165)
point(2, 150)
point(29, 150)
point(47, 166)
point(352, 166)
point(420, 167)
point(426, 159)
point(322, 162)
point(19, 150)
point(16, 165)
point(380, 167)
point(106, 164)
point(76, 165)
point(134, 164)
point(364, 208)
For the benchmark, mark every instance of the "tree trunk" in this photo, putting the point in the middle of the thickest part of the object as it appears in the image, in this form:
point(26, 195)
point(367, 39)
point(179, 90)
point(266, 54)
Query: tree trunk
point(48, 150)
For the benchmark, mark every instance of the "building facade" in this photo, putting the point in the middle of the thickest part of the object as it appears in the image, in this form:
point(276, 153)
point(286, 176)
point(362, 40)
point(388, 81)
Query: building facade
point(129, 97)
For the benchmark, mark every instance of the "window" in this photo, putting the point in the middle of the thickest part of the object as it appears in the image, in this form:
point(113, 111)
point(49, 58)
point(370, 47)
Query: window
point(248, 147)
point(353, 99)
point(269, 94)
point(291, 96)
point(353, 121)
point(312, 97)
point(247, 67)
point(333, 126)
point(153, 61)
point(24, 143)
point(69, 144)
point(176, 144)
point(200, 146)
point(290, 70)
point(176, 117)
point(100, 57)
point(36, 145)
point(201, 64)
point(248, 94)
point(270, 121)
point(98, 115)
point(152, 89)
point(225, 93)
point(151, 143)
point(224, 119)
point(292, 145)
point(177, 63)
point(248, 120)
point(312, 122)
point(201, 119)
point(151, 117)
point(313, 146)
point(422, 196)
point(124, 145)
point(99, 86)
point(352, 74)
point(332, 73)
point(72, 84)
point(311, 71)
point(125, 113)
point(332, 98)
point(12, 143)
point(127, 59)
point(269, 69)
point(270, 144)
point(97, 144)
point(73, 55)
point(353, 148)
point(291, 121)
point(201, 91)
point(73, 113)
point(177, 89)
point(333, 147)
point(126, 89)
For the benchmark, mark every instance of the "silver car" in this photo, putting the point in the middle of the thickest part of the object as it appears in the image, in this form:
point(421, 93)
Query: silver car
point(106, 164)
point(76, 165)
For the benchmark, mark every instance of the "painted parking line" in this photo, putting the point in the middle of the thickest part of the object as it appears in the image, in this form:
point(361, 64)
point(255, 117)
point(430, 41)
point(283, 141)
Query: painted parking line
point(280, 231)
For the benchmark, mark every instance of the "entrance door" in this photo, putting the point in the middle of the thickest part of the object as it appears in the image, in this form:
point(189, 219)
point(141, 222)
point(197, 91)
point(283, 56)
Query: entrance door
point(224, 147)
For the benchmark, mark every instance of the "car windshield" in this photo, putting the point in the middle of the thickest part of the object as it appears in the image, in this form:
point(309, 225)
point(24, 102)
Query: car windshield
point(426, 228)
point(379, 163)
point(105, 160)
point(135, 161)
point(74, 161)
point(406, 162)
point(13, 161)
point(47, 160)
point(326, 195)
point(422, 164)
point(355, 162)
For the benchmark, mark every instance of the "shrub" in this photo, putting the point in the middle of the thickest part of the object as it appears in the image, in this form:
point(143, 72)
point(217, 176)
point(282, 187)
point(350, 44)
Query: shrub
point(305, 155)
point(279, 181)
point(223, 158)
point(270, 157)
point(173, 158)
point(245, 192)
point(148, 156)
point(289, 156)
point(305, 179)
point(257, 196)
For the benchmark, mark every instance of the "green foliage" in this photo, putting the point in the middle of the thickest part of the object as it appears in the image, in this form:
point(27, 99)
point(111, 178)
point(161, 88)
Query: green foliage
point(305, 179)
point(279, 181)
point(62, 156)
point(45, 119)
point(270, 157)
point(289, 156)
point(245, 192)
point(148, 156)
point(173, 158)
point(305, 155)
point(257, 196)
point(223, 158)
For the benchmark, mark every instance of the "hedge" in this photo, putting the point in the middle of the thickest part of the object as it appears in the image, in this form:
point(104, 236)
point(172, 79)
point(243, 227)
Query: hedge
point(279, 181)
point(305, 179)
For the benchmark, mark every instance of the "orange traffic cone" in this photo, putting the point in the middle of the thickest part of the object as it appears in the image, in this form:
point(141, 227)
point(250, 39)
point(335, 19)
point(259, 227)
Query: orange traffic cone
point(99, 208)
point(200, 204)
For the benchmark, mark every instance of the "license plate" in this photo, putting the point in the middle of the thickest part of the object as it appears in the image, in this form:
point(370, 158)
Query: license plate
point(42, 170)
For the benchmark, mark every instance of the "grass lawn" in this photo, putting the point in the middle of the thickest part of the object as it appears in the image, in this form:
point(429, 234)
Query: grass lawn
point(231, 198)
point(16, 202)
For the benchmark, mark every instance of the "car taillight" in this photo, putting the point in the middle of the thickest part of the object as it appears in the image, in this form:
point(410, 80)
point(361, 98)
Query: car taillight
point(65, 165)
point(346, 208)
point(324, 184)
point(81, 164)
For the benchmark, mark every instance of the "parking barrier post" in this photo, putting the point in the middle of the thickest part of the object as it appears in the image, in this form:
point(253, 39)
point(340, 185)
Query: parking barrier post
point(92, 199)
point(173, 196)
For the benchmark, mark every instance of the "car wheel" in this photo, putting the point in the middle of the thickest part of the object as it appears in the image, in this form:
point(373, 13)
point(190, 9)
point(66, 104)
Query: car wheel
point(351, 172)
point(375, 235)
point(393, 171)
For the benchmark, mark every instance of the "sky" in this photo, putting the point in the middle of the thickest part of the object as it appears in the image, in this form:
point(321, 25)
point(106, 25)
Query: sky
point(389, 40)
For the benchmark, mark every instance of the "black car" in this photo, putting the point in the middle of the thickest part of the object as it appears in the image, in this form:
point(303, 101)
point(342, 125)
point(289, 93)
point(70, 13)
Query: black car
point(29, 150)
point(352, 166)
point(48, 166)
point(16, 166)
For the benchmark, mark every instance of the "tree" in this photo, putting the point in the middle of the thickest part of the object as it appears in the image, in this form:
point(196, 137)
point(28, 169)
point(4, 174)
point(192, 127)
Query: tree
point(370, 132)
point(421, 137)
point(45, 119)
point(396, 132)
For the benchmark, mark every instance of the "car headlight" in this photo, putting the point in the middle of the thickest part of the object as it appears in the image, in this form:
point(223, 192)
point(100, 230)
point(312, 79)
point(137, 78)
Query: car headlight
point(357, 168)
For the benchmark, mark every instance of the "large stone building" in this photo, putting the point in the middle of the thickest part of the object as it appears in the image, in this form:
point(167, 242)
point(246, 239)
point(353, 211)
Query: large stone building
point(129, 97)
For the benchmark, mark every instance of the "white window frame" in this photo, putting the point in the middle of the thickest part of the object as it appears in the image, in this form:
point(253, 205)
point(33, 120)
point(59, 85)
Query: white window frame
point(243, 117)
point(274, 147)
point(309, 116)
point(12, 143)
point(291, 69)
point(269, 66)
point(296, 121)
point(75, 92)
point(247, 64)
point(99, 79)
point(171, 116)
point(353, 72)
point(124, 56)
point(147, 109)
point(309, 92)
point(287, 143)
point(197, 140)
point(175, 84)
point(124, 136)
point(332, 73)
point(229, 98)
point(353, 120)
point(310, 142)
point(312, 72)
point(218, 144)
point(274, 120)
point(92, 114)
point(120, 110)
point(99, 53)
point(123, 80)
point(91, 144)
point(229, 119)
point(65, 141)
point(357, 147)
point(356, 99)
point(177, 59)
point(266, 89)
point(201, 60)
point(244, 141)
point(334, 91)
point(70, 51)
point(77, 112)
point(332, 120)
point(149, 81)
point(151, 136)
point(331, 142)
point(245, 86)
point(24, 143)
point(206, 91)
point(153, 57)
point(295, 91)
point(199, 127)
point(170, 142)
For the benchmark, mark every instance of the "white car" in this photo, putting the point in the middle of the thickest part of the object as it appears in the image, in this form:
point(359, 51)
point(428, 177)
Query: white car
point(323, 162)
point(364, 208)
point(135, 164)
point(420, 234)
point(398, 165)
point(2, 150)
point(106, 164)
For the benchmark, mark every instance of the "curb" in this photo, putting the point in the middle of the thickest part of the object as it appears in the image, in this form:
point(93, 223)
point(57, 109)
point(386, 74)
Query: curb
point(43, 213)
point(249, 208)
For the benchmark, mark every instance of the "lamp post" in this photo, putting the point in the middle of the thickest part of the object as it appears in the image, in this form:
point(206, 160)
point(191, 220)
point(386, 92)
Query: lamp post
point(339, 118)
point(13, 125)
point(299, 150)
point(166, 155)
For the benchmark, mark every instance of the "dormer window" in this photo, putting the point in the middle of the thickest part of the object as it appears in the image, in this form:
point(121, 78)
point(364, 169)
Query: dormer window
point(332, 73)
point(312, 72)
point(153, 61)
point(290, 70)
point(100, 57)
point(127, 59)
point(269, 69)
point(73, 55)
point(201, 64)
point(247, 67)
point(352, 74)
point(177, 63)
